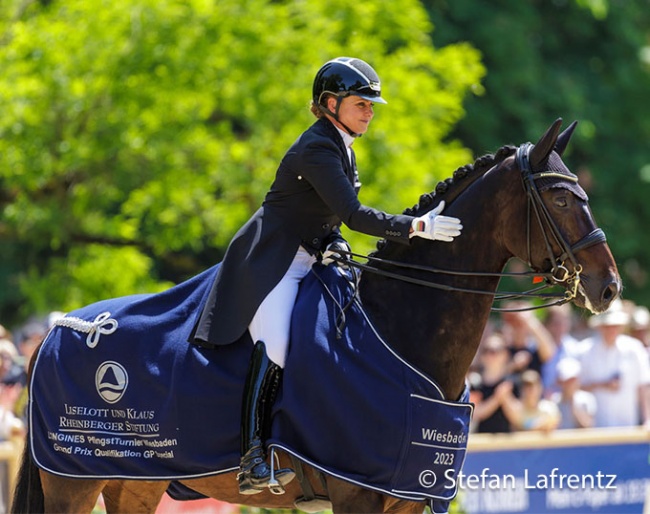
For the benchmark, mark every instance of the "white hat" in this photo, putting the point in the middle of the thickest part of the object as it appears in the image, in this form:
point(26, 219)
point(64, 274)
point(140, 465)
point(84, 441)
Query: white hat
point(640, 317)
point(567, 368)
point(615, 315)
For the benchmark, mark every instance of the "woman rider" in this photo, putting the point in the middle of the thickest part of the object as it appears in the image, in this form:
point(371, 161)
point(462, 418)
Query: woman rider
point(315, 190)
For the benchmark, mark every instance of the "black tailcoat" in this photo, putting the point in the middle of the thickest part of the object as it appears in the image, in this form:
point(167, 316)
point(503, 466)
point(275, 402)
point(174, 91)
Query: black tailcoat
point(315, 190)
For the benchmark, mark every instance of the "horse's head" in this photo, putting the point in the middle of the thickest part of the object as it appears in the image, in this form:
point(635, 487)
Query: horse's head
point(563, 241)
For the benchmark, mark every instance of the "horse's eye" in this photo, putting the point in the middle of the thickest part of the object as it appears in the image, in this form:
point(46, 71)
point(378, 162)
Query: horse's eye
point(560, 201)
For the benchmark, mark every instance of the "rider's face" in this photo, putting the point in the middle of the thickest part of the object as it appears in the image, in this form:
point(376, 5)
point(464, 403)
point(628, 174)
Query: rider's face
point(354, 112)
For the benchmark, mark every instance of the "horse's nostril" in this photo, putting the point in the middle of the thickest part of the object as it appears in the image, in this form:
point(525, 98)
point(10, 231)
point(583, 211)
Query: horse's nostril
point(611, 292)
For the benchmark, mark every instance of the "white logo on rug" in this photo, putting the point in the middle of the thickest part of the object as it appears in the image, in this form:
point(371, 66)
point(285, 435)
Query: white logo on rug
point(111, 381)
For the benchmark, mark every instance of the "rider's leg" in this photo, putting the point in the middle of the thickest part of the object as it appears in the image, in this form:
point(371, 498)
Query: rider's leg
point(270, 329)
point(255, 473)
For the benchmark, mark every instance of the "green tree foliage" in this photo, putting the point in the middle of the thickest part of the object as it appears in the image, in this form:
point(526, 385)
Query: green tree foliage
point(136, 137)
point(587, 60)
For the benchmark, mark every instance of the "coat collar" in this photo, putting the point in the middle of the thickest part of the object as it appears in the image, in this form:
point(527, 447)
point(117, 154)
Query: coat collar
point(331, 131)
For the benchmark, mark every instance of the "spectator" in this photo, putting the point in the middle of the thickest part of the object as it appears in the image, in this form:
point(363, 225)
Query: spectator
point(640, 325)
point(529, 343)
point(535, 413)
point(495, 393)
point(31, 335)
point(10, 425)
point(577, 407)
point(558, 322)
point(10, 369)
point(616, 370)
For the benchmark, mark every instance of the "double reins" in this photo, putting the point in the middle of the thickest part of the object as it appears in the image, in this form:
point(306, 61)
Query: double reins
point(559, 275)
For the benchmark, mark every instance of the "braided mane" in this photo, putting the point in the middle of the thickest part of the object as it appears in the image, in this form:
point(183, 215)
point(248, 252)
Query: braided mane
point(453, 186)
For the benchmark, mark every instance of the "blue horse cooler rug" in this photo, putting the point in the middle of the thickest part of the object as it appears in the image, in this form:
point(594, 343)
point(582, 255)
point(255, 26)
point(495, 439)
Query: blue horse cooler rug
point(117, 392)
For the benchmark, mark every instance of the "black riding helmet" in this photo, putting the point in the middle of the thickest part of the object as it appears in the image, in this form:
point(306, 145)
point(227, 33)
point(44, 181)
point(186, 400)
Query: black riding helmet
point(347, 76)
point(342, 77)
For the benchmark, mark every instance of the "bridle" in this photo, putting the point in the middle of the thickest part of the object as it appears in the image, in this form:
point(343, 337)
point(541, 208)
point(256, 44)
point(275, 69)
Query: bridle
point(559, 274)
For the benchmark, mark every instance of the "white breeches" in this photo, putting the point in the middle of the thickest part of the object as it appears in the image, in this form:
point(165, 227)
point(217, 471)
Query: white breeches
point(272, 321)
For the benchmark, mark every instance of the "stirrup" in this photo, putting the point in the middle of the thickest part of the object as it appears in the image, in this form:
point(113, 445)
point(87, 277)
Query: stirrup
point(274, 481)
point(280, 477)
point(274, 486)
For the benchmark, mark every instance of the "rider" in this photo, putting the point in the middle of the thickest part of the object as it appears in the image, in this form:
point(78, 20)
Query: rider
point(315, 190)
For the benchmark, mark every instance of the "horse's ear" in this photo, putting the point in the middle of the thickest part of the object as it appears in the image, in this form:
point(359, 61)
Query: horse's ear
point(563, 138)
point(545, 144)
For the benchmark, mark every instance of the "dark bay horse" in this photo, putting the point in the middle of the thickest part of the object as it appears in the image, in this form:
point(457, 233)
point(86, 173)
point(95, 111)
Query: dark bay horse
point(430, 301)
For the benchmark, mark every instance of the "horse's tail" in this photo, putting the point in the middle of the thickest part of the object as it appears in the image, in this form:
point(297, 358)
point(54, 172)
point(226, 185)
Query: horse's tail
point(28, 495)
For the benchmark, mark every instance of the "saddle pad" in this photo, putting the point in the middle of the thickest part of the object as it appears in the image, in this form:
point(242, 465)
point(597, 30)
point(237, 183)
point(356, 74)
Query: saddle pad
point(353, 408)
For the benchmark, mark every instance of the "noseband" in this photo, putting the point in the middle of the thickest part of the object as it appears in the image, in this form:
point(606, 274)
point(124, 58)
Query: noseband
point(559, 273)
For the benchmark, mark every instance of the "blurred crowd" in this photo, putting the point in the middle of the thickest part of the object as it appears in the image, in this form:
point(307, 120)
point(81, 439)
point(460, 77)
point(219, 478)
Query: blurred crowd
point(16, 349)
point(553, 369)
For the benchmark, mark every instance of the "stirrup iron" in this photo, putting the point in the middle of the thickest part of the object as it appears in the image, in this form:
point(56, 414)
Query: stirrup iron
point(274, 486)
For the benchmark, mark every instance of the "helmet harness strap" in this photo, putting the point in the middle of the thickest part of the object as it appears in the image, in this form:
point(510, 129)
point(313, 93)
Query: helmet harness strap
point(335, 114)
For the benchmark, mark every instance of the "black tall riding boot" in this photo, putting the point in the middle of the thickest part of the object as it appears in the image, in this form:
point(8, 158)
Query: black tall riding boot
point(260, 390)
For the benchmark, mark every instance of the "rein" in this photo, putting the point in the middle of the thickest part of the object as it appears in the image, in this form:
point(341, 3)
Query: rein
point(503, 295)
point(559, 275)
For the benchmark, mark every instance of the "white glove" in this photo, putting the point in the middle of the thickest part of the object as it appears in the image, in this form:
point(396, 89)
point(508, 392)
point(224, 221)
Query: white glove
point(334, 249)
point(436, 227)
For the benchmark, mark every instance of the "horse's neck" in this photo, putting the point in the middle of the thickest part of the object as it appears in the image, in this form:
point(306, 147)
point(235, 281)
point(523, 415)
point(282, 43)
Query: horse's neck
point(439, 331)
point(436, 331)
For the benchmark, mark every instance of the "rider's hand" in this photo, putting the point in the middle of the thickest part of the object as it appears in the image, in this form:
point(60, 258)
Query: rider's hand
point(436, 227)
point(334, 250)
